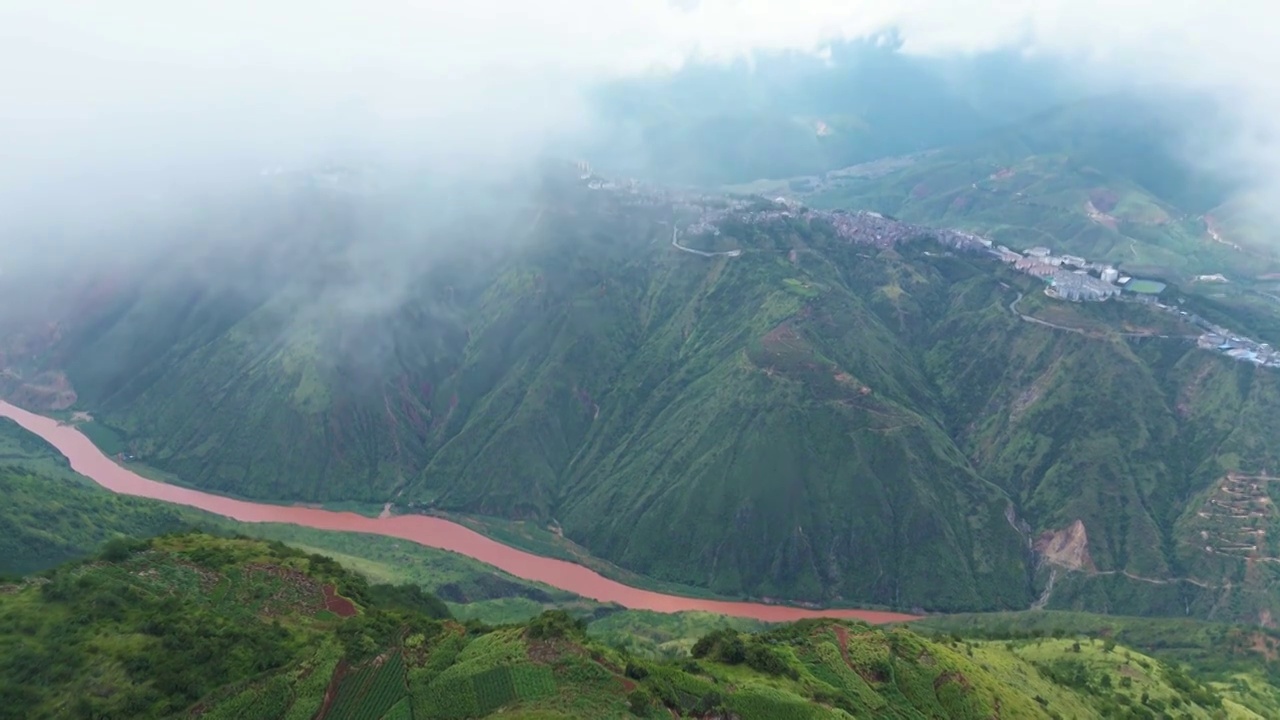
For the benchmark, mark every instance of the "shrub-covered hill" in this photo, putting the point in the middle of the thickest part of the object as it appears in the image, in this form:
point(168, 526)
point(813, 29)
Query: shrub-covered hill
point(50, 514)
point(189, 625)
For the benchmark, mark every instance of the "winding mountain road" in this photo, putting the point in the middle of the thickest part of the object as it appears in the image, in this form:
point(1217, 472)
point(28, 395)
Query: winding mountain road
point(434, 532)
point(676, 243)
point(1013, 308)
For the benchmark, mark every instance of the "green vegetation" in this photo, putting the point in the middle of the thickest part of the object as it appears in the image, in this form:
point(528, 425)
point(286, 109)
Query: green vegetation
point(454, 578)
point(239, 628)
point(107, 438)
point(812, 420)
point(1145, 287)
point(662, 635)
point(151, 627)
point(1234, 662)
point(1092, 179)
point(1217, 651)
point(51, 514)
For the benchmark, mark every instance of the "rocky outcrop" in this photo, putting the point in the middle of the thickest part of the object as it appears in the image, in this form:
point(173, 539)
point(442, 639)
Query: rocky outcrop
point(44, 392)
point(1067, 548)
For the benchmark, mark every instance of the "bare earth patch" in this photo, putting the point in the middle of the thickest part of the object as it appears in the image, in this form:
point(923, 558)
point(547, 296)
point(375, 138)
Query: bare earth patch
point(1262, 644)
point(336, 604)
point(1100, 217)
point(1068, 548)
point(46, 391)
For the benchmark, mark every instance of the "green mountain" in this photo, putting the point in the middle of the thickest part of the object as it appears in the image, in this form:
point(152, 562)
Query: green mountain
point(814, 418)
point(1103, 179)
point(1107, 179)
point(642, 398)
point(189, 625)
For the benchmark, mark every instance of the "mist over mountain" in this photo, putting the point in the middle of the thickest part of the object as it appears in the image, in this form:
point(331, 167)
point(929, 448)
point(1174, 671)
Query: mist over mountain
point(274, 278)
point(777, 115)
point(117, 116)
point(962, 314)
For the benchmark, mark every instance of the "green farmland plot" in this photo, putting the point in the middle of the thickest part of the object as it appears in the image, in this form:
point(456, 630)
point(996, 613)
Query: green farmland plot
point(1145, 287)
point(402, 710)
point(372, 691)
point(494, 688)
point(532, 682)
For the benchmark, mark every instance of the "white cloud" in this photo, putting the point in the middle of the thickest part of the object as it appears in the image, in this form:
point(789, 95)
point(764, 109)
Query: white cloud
point(161, 85)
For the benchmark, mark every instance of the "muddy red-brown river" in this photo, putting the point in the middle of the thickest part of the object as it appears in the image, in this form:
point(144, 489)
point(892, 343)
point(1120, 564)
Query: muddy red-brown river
point(433, 532)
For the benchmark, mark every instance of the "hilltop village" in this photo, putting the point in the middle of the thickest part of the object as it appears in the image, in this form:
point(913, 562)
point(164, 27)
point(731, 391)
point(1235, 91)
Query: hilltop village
point(1068, 277)
point(1064, 282)
point(1079, 285)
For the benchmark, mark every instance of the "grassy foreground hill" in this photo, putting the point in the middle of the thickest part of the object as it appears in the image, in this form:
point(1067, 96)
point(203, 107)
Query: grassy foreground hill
point(190, 625)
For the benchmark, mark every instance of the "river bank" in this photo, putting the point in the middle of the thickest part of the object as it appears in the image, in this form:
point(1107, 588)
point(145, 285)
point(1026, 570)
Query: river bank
point(88, 460)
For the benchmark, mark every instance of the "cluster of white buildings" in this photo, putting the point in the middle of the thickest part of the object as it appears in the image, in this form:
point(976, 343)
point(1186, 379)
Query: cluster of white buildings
point(1064, 283)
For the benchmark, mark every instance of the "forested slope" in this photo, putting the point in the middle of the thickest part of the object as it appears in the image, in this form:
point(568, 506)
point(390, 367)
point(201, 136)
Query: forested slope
point(814, 418)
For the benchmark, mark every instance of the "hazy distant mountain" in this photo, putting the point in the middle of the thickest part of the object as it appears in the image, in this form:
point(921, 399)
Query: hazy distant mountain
point(793, 114)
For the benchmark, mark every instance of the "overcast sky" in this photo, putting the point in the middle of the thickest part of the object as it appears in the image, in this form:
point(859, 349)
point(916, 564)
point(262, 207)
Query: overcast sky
point(93, 88)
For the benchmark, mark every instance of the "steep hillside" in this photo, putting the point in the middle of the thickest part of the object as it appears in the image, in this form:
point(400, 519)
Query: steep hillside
point(596, 377)
point(193, 626)
point(52, 514)
point(833, 408)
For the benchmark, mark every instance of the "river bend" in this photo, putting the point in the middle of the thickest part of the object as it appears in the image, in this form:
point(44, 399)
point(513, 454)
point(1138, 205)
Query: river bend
point(433, 532)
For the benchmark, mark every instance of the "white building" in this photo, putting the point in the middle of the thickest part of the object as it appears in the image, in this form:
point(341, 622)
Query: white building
point(1110, 275)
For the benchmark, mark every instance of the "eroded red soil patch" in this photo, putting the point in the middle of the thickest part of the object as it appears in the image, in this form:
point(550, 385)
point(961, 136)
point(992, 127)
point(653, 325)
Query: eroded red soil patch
point(782, 335)
point(336, 604)
point(842, 634)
